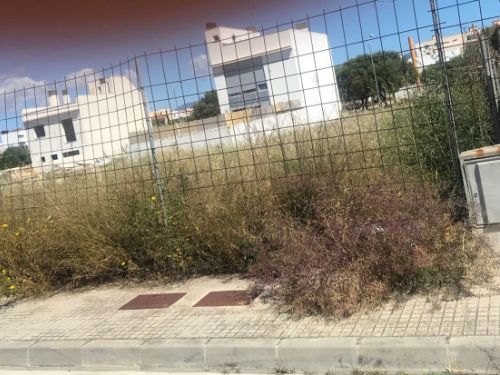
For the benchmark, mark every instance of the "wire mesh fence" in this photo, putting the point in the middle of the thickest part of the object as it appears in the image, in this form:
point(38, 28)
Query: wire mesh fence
point(323, 95)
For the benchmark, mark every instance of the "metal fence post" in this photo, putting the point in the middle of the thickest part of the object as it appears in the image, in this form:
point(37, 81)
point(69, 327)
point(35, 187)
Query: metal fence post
point(447, 90)
point(154, 165)
point(491, 87)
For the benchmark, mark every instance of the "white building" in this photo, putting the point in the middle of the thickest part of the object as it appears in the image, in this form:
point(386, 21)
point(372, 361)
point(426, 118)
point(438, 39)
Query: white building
point(166, 115)
point(181, 114)
point(453, 45)
point(12, 138)
point(287, 70)
point(90, 128)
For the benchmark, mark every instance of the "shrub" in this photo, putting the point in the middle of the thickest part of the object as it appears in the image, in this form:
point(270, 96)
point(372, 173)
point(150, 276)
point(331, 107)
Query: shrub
point(431, 132)
point(126, 237)
point(361, 248)
point(15, 157)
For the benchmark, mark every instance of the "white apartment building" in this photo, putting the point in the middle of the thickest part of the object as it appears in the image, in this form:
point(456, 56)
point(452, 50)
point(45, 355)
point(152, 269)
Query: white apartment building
point(286, 70)
point(93, 127)
point(453, 45)
point(12, 138)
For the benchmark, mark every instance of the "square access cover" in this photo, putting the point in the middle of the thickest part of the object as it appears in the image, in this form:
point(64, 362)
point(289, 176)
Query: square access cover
point(225, 298)
point(152, 301)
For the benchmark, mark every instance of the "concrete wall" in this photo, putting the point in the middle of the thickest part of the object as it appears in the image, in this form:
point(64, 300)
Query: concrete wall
point(318, 78)
point(241, 133)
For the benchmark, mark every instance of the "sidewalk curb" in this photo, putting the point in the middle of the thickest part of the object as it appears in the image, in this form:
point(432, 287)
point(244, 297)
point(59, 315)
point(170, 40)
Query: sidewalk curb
point(479, 354)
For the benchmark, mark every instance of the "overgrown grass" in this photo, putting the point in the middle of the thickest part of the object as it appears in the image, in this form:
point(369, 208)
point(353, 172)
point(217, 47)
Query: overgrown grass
point(349, 250)
point(327, 219)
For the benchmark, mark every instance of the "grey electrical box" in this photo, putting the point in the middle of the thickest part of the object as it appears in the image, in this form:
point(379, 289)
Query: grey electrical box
point(481, 173)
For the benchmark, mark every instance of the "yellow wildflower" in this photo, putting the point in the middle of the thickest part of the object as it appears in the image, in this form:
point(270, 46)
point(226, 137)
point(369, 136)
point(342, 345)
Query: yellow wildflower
point(17, 234)
point(123, 264)
point(5, 226)
point(12, 287)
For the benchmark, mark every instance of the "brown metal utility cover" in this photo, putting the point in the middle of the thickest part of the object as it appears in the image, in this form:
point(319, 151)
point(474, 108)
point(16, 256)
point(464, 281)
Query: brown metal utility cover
point(225, 298)
point(152, 301)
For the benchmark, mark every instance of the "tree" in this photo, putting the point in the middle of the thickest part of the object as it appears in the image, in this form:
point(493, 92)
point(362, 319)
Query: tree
point(357, 81)
point(208, 106)
point(433, 134)
point(15, 157)
point(494, 36)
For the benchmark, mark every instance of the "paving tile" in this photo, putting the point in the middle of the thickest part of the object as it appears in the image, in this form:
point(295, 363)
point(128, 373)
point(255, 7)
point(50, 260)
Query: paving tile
point(152, 301)
point(224, 298)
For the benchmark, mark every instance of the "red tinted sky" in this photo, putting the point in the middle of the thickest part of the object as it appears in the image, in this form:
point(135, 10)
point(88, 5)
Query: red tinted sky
point(47, 39)
point(50, 38)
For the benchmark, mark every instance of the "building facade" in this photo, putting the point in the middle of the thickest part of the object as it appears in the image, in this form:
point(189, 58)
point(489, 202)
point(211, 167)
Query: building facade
point(285, 70)
point(12, 138)
point(453, 45)
point(165, 116)
point(87, 130)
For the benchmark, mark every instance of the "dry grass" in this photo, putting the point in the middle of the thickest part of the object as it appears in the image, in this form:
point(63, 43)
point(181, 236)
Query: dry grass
point(314, 213)
point(334, 251)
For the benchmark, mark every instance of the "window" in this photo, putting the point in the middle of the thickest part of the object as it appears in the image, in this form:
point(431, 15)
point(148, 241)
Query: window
point(71, 153)
point(43, 159)
point(69, 130)
point(39, 131)
point(54, 157)
point(262, 86)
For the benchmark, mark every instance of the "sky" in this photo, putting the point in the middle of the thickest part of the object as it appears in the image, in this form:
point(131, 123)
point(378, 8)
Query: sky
point(46, 40)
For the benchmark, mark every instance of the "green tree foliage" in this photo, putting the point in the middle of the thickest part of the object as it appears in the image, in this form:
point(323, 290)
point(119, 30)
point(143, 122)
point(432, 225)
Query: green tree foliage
point(208, 106)
point(432, 132)
point(15, 157)
point(357, 81)
point(493, 35)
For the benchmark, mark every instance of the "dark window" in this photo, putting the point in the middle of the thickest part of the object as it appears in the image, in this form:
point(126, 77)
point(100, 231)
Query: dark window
point(39, 131)
point(54, 157)
point(69, 130)
point(43, 159)
point(71, 153)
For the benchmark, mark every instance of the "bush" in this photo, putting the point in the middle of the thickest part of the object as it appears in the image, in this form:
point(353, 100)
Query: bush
point(126, 238)
point(15, 157)
point(431, 132)
point(317, 248)
point(361, 248)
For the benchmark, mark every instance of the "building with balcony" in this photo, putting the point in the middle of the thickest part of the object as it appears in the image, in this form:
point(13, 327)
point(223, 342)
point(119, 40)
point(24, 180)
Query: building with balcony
point(284, 70)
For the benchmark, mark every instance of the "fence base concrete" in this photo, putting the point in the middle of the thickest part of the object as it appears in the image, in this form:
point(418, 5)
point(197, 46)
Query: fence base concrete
point(478, 354)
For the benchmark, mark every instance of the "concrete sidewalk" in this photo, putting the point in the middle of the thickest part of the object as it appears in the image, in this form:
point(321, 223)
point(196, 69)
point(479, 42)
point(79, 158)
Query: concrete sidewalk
point(86, 330)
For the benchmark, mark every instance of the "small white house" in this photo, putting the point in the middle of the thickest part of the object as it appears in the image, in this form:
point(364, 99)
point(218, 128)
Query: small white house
point(286, 70)
point(12, 138)
point(93, 127)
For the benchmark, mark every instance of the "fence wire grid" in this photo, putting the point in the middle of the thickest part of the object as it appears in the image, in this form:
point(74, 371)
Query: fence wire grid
point(248, 107)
